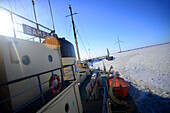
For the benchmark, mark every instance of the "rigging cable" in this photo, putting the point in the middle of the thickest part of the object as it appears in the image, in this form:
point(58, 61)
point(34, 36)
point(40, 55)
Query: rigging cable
point(61, 13)
point(61, 7)
point(86, 37)
point(68, 31)
point(83, 31)
point(82, 43)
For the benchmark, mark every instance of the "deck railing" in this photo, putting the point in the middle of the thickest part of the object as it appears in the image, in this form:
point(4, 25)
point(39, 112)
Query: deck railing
point(17, 24)
point(39, 85)
point(19, 33)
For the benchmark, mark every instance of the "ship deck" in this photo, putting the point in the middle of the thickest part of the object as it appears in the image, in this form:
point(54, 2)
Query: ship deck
point(89, 106)
point(96, 105)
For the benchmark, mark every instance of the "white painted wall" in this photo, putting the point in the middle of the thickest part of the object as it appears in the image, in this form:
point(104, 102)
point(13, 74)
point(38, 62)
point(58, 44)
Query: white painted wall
point(11, 51)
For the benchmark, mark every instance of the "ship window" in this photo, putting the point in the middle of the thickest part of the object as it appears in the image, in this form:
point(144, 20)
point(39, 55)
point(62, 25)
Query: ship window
point(26, 60)
point(66, 107)
point(50, 58)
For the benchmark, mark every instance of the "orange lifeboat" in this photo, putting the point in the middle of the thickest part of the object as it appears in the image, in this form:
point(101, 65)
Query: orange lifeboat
point(51, 42)
point(120, 86)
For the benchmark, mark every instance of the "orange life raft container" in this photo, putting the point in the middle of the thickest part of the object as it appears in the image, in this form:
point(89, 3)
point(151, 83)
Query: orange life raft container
point(120, 86)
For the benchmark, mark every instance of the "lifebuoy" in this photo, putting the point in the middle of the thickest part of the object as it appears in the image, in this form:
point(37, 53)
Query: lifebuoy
point(55, 89)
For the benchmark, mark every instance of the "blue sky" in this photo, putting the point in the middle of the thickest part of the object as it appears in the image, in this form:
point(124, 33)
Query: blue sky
point(137, 22)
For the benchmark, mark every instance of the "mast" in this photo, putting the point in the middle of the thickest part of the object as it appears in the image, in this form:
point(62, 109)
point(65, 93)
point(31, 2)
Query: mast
point(35, 17)
point(51, 15)
point(12, 19)
point(13, 25)
point(74, 34)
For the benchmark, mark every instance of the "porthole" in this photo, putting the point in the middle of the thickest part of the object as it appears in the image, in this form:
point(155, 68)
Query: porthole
point(50, 58)
point(66, 107)
point(26, 60)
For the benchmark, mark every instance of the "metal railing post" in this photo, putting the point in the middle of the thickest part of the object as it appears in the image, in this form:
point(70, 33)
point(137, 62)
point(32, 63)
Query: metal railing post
point(62, 78)
point(104, 110)
point(73, 72)
point(42, 96)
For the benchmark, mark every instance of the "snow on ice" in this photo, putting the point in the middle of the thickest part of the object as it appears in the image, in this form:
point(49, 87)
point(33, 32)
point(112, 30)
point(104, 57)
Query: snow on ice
point(148, 72)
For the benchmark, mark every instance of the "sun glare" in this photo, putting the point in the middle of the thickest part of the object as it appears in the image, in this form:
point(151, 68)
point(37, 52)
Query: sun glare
point(6, 26)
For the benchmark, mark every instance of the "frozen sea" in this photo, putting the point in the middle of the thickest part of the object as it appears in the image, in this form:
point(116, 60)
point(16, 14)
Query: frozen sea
point(148, 72)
